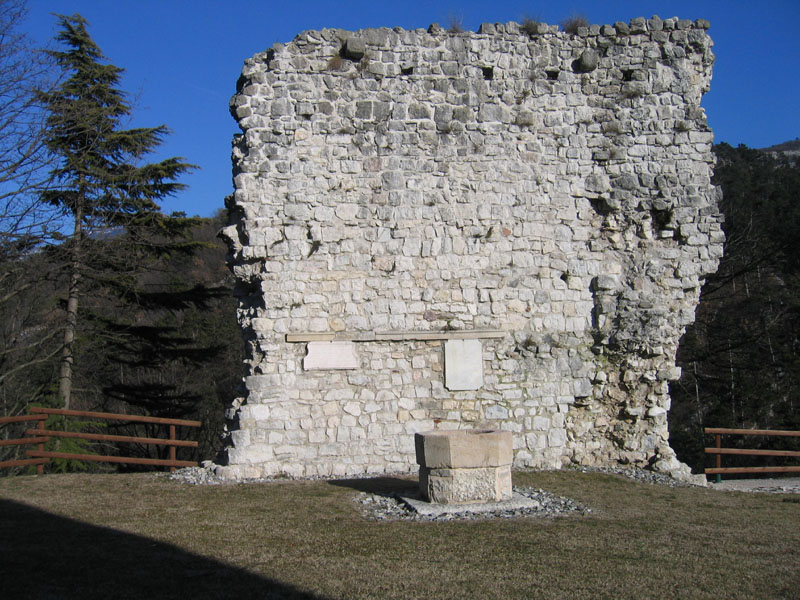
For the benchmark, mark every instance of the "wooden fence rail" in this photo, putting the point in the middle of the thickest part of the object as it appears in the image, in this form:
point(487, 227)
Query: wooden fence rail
point(40, 435)
point(719, 451)
point(38, 440)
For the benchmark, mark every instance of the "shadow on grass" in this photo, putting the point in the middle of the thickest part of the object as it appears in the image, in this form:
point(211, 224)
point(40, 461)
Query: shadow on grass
point(43, 555)
point(377, 485)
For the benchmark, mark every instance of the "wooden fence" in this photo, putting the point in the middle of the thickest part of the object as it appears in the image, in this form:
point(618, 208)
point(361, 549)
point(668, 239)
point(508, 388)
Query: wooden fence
point(39, 436)
point(38, 440)
point(719, 451)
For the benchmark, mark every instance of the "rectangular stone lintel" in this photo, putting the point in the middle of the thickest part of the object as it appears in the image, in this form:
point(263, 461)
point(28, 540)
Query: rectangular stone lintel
point(466, 334)
point(380, 336)
point(310, 337)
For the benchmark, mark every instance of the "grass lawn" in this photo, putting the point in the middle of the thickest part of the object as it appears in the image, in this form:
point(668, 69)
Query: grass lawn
point(144, 536)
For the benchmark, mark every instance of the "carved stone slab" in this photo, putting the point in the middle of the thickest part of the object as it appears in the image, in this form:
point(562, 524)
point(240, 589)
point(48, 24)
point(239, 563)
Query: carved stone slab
point(463, 365)
point(330, 355)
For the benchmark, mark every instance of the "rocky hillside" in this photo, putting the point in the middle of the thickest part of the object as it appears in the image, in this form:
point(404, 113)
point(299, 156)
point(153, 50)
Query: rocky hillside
point(791, 148)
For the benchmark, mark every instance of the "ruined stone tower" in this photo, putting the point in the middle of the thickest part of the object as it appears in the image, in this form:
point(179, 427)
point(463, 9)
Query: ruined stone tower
point(505, 229)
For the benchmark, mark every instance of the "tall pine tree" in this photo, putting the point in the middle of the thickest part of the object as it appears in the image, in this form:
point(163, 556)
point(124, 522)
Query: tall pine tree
point(100, 182)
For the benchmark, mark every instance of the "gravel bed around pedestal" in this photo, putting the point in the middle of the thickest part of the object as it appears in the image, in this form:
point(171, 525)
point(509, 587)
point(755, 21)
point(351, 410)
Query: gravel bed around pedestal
point(527, 502)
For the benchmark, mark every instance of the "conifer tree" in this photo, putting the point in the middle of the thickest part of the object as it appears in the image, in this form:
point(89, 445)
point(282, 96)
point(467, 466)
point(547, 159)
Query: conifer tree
point(99, 180)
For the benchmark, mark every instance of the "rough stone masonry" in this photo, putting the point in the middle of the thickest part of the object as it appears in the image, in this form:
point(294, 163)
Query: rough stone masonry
point(505, 230)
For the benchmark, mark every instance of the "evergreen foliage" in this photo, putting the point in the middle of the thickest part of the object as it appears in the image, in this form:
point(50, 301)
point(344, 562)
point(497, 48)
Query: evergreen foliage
point(171, 347)
point(156, 332)
point(99, 181)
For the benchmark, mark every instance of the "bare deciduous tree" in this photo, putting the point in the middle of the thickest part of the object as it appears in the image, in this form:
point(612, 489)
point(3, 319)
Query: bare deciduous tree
point(24, 159)
point(26, 223)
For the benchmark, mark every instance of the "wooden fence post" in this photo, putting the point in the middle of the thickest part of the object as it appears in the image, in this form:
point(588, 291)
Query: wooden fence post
point(40, 447)
point(172, 448)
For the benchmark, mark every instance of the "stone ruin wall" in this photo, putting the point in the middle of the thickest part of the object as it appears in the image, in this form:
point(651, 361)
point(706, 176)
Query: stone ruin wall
point(545, 195)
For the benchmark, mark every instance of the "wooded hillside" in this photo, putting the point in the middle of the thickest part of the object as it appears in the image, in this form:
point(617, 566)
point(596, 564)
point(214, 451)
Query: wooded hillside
point(741, 358)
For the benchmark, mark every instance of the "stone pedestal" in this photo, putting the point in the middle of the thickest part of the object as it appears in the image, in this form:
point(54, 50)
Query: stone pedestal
point(459, 467)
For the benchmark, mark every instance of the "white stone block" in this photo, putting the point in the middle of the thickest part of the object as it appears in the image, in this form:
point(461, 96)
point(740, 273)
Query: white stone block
point(463, 364)
point(330, 355)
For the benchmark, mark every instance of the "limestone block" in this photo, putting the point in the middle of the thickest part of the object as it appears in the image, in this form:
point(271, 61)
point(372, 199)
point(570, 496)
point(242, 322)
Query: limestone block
point(463, 364)
point(462, 466)
point(465, 448)
point(588, 61)
point(354, 48)
point(496, 411)
point(464, 486)
point(330, 355)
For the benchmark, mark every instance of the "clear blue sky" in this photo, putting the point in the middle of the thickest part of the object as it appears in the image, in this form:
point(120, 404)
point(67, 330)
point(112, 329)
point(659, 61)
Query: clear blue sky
point(182, 59)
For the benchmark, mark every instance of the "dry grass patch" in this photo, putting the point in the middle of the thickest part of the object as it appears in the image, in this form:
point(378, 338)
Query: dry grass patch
point(572, 23)
point(133, 535)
